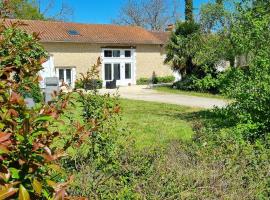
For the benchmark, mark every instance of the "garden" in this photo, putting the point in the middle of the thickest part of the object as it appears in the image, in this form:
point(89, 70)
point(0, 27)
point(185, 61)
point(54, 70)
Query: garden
point(99, 146)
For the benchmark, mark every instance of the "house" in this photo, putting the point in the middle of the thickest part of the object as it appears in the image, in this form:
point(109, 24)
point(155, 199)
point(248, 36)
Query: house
point(127, 52)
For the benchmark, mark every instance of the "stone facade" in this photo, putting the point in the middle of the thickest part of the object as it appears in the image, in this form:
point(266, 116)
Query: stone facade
point(149, 58)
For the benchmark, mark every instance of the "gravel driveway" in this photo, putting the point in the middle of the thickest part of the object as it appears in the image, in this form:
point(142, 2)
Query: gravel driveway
point(139, 92)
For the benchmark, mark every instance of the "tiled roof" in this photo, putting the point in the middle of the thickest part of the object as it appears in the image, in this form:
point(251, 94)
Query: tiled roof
point(54, 31)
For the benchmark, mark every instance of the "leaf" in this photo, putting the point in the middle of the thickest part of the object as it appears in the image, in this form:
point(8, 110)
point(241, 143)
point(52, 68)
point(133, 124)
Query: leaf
point(23, 193)
point(4, 136)
point(37, 186)
point(60, 195)
point(51, 183)
point(14, 173)
point(43, 118)
point(7, 192)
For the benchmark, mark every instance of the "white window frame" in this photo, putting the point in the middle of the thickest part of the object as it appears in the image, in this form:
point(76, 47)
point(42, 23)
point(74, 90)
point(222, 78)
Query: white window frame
point(73, 74)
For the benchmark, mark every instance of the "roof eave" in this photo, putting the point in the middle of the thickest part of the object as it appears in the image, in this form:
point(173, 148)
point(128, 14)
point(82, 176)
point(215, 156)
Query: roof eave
point(90, 42)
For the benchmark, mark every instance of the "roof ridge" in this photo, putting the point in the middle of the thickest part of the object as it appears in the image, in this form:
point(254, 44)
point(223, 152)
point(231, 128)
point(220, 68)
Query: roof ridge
point(76, 23)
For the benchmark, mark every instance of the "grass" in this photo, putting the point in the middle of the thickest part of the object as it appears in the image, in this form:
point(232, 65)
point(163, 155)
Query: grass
point(189, 93)
point(150, 124)
point(155, 124)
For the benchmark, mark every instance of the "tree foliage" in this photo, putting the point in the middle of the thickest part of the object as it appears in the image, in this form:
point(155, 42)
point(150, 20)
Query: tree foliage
point(182, 47)
point(36, 10)
point(189, 10)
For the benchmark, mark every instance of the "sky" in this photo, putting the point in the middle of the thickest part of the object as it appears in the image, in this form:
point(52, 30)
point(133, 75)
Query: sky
point(102, 11)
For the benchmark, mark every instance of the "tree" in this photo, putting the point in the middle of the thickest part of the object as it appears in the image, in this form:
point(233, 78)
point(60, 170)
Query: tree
point(32, 9)
point(23, 9)
point(151, 14)
point(183, 46)
point(189, 10)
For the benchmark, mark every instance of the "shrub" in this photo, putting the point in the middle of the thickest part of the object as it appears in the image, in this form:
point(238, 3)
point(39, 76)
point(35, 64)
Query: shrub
point(90, 80)
point(93, 83)
point(28, 164)
point(143, 81)
point(158, 79)
point(31, 90)
point(96, 164)
point(165, 79)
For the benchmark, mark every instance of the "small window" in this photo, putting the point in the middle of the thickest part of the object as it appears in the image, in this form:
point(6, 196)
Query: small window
point(108, 72)
point(73, 32)
point(107, 53)
point(116, 53)
point(127, 53)
point(127, 71)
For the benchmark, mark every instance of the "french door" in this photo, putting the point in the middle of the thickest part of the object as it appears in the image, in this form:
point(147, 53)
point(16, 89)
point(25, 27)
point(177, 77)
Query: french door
point(120, 71)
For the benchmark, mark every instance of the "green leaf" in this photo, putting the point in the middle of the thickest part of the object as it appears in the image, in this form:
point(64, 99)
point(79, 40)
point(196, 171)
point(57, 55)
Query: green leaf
point(14, 173)
point(7, 192)
point(37, 186)
point(23, 193)
point(43, 118)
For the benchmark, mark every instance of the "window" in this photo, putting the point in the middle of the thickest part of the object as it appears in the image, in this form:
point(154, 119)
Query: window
point(61, 75)
point(127, 53)
point(107, 53)
point(73, 32)
point(116, 53)
point(127, 71)
point(65, 75)
point(116, 71)
point(112, 53)
point(108, 72)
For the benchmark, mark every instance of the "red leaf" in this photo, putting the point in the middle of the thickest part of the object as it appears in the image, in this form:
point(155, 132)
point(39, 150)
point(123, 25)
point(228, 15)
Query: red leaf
point(13, 113)
point(16, 99)
point(4, 136)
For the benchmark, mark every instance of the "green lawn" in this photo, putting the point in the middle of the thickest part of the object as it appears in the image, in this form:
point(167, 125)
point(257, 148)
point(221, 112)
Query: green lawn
point(155, 124)
point(190, 93)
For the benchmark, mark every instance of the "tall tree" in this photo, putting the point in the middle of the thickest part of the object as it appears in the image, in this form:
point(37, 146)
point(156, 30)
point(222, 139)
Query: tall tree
point(182, 47)
point(189, 10)
point(151, 14)
point(37, 9)
point(23, 9)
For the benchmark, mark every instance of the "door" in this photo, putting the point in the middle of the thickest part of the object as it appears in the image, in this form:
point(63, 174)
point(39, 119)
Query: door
point(119, 64)
point(121, 72)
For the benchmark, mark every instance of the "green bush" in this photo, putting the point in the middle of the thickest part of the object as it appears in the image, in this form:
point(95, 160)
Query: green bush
point(143, 81)
point(96, 165)
point(31, 90)
point(165, 79)
point(157, 79)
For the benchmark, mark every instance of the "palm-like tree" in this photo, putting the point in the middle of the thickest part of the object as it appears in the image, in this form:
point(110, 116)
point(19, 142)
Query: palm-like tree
point(181, 47)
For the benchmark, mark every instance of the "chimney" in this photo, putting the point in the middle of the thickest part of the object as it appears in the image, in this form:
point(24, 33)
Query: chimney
point(170, 27)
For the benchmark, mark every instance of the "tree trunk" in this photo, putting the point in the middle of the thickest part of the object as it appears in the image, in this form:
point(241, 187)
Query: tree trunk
point(189, 10)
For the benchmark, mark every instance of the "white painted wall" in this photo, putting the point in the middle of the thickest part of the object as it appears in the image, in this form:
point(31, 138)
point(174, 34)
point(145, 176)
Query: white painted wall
point(48, 71)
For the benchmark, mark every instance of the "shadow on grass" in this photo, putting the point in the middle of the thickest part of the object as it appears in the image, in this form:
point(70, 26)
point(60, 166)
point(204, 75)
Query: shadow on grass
point(214, 119)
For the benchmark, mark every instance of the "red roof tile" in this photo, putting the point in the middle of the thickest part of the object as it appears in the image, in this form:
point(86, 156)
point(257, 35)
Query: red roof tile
point(54, 31)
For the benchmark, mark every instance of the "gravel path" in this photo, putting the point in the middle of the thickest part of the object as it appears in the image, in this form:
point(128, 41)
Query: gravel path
point(139, 92)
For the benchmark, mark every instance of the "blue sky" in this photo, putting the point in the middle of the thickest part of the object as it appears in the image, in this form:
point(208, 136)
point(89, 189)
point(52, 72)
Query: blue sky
point(103, 11)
